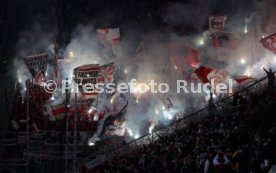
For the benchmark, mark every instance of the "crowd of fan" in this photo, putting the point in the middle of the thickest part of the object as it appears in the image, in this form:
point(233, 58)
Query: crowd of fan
point(240, 141)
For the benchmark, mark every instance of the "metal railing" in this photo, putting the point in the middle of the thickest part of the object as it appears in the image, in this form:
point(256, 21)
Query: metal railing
point(221, 106)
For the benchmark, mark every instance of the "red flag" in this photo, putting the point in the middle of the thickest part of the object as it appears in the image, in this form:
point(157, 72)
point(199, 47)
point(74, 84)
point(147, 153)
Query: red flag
point(269, 42)
point(37, 63)
point(58, 111)
point(206, 74)
point(244, 80)
point(39, 78)
point(181, 55)
point(106, 73)
point(202, 73)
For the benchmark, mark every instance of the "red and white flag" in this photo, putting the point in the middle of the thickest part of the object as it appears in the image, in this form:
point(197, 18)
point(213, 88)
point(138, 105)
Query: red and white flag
point(206, 74)
point(58, 111)
point(110, 37)
point(269, 42)
point(37, 65)
point(106, 73)
point(39, 78)
point(87, 74)
point(244, 80)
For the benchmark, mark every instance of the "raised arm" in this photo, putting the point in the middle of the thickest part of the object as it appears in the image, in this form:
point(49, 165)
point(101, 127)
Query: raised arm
point(265, 70)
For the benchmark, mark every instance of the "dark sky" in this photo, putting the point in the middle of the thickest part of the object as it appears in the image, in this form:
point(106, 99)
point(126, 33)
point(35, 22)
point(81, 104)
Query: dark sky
point(64, 15)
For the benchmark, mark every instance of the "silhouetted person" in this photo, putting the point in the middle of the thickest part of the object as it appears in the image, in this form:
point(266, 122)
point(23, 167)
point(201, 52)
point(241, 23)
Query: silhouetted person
point(271, 78)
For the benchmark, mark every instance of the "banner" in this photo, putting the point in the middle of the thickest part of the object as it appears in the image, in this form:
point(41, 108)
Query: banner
point(269, 43)
point(37, 65)
point(106, 73)
point(217, 23)
point(87, 74)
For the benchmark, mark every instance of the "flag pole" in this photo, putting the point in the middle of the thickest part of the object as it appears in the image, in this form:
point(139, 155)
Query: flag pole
point(75, 128)
point(27, 116)
point(66, 125)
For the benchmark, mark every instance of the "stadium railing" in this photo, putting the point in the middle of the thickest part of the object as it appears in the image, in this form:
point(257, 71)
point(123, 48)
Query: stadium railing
point(221, 106)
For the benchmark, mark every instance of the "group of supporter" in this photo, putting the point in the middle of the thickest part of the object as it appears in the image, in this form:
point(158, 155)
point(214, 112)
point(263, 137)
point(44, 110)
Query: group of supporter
point(241, 141)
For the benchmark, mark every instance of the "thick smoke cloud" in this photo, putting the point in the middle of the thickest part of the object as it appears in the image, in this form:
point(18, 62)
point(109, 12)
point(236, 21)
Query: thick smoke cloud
point(191, 18)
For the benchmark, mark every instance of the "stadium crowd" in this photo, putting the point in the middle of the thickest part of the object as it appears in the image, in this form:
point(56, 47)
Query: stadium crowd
point(240, 141)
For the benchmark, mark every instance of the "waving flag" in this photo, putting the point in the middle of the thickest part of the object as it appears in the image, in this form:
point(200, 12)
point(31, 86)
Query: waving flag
point(37, 65)
point(202, 73)
point(58, 111)
point(244, 80)
point(110, 37)
point(269, 42)
point(206, 74)
point(106, 73)
point(181, 55)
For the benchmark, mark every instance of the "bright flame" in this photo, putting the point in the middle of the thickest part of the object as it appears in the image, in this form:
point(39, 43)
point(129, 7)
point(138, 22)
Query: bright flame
point(71, 54)
point(263, 36)
point(52, 98)
point(163, 107)
point(91, 143)
point(245, 30)
point(90, 110)
point(242, 60)
point(130, 132)
point(137, 100)
point(151, 127)
point(157, 112)
point(201, 42)
point(136, 136)
point(175, 67)
point(19, 80)
point(96, 117)
point(125, 71)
